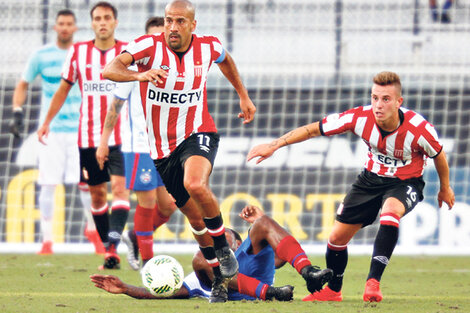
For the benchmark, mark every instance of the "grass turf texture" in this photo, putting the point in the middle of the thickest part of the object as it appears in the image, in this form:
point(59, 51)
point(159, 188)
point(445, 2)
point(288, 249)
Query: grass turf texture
point(60, 283)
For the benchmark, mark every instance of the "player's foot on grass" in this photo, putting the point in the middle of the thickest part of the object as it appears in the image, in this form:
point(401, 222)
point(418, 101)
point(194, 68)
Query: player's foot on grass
point(284, 293)
point(219, 291)
point(111, 259)
point(46, 248)
point(130, 241)
point(372, 291)
point(326, 294)
point(316, 277)
point(228, 262)
point(94, 238)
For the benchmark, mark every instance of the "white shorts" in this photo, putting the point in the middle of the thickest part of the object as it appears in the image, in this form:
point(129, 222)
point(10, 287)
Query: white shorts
point(59, 160)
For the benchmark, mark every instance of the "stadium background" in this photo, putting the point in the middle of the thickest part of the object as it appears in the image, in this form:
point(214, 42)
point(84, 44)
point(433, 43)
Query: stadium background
point(300, 60)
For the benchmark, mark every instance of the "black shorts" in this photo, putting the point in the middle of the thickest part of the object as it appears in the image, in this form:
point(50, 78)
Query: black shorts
point(368, 193)
point(171, 168)
point(91, 172)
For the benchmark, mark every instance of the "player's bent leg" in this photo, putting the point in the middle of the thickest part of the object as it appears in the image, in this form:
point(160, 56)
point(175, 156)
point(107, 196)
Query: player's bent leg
point(196, 181)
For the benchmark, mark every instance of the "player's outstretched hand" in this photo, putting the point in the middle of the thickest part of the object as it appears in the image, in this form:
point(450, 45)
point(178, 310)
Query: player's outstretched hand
point(43, 132)
point(109, 283)
point(262, 151)
point(248, 110)
point(446, 195)
point(250, 213)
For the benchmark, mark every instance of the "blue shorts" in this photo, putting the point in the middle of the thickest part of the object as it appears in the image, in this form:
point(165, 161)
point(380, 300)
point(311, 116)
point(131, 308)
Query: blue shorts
point(141, 174)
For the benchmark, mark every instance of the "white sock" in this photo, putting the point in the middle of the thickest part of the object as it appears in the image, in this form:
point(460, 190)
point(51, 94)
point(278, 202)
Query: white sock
point(85, 197)
point(46, 208)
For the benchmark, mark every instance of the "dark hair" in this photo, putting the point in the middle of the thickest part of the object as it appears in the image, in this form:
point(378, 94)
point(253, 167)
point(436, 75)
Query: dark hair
point(235, 233)
point(388, 78)
point(104, 4)
point(154, 21)
point(66, 12)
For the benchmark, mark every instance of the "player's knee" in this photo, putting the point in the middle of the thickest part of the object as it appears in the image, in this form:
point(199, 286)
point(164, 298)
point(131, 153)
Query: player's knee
point(196, 188)
point(167, 209)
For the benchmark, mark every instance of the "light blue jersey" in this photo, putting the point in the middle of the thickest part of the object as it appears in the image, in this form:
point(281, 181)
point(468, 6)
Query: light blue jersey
point(47, 62)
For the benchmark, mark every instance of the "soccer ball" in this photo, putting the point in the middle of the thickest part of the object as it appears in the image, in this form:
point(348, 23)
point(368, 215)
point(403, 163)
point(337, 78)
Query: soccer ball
point(162, 275)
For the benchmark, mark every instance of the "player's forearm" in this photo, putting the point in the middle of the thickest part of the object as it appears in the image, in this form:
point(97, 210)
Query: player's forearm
point(442, 168)
point(297, 135)
point(229, 69)
point(19, 95)
point(118, 72)
point(138, 292)
point(111, 119)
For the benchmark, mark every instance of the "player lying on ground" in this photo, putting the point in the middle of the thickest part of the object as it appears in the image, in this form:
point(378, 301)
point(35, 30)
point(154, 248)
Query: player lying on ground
point(268, 246)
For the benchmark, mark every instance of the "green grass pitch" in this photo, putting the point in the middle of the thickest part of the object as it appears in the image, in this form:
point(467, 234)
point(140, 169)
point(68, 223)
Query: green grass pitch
point(60, 283)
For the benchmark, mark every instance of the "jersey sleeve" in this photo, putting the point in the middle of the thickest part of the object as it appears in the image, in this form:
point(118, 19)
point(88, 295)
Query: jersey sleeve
point(217, 50)
point(141, 49)
point(32, 68)
point(429, 141)
point(338, 123)
point(69, 69)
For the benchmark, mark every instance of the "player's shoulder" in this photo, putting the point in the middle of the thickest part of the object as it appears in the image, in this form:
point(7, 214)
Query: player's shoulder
point(413, 118)
point(206, 38)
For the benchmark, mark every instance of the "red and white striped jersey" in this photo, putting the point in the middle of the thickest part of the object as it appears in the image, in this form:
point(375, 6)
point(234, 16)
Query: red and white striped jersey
point(176, 108)
point(401, 154)
point(85, 63)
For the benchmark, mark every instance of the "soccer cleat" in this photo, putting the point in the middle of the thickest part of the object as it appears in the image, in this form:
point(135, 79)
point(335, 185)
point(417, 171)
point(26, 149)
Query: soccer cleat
point(46, 248)
point(316, 277)
point(372, 291)
point(95, 239)
point(284, 293)
point(132, 250)
point(219, 292)
point(326, 294)
point(111, 259)
point(228, 262)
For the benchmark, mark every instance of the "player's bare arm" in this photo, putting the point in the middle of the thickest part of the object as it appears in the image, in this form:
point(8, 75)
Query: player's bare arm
point(113, 284)
point(111, 119)
point(56, 104)
point(19, 95)
point(229, 69)
point(446, 194)
point(300, 134)
point(117, 70)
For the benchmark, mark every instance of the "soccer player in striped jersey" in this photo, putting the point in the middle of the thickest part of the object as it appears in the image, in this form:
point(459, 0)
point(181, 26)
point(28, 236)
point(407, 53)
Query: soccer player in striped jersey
point(267, 247)
point(154, 204)
point(58, 161)
point(172, 70)
point(84, 64)
point(400, 141)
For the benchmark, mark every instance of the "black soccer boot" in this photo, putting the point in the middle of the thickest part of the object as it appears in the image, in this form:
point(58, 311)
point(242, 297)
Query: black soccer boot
point(228, 262)
point(284, 293)
point(219, 292)
point(316, 277)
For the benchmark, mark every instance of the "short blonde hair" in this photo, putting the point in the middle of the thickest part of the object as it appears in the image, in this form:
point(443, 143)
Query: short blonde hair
point(388, 78)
